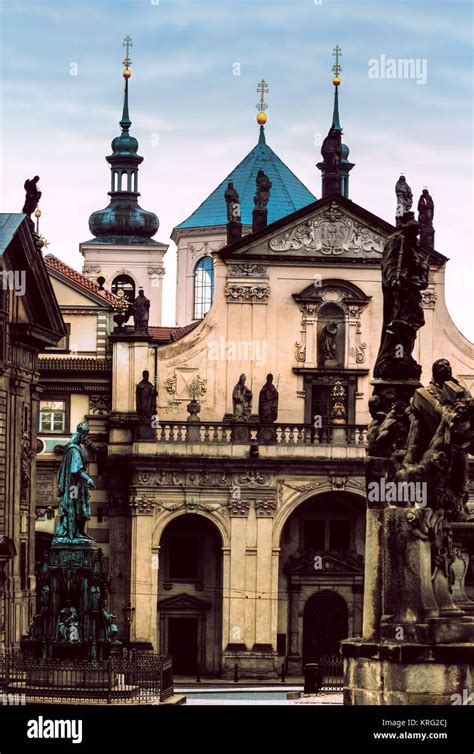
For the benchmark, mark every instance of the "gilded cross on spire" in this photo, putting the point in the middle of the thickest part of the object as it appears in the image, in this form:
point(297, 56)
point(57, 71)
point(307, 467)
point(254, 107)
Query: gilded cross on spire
point(262, 90)
point(127, 43)
point(338, 54)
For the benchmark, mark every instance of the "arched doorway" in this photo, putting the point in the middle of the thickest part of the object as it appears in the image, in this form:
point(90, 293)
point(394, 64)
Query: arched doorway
point(190, 595)
point(325, 625)
point(321, 551)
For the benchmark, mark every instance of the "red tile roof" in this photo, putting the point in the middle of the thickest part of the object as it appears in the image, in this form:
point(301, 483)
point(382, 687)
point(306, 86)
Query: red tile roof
point(56, 264)
point(170, 334)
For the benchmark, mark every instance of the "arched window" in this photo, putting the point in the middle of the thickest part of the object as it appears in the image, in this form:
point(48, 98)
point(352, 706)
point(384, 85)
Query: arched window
point(124, 287)
point(203, 287)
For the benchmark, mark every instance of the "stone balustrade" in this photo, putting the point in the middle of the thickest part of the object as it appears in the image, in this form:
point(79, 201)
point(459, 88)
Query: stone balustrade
point(285, 434)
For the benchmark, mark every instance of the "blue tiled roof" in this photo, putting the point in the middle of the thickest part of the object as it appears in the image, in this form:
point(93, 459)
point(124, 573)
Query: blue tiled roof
point(9, 224)
point(286, 195)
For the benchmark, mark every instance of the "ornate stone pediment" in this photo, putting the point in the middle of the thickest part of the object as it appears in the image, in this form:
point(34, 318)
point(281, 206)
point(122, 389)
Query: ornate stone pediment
point(183, 602)
point(323, 563)
point(331, 231)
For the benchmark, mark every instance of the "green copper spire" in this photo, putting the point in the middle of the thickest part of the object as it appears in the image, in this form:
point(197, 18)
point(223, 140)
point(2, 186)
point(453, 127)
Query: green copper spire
point(337, 52)
point(335, 178)
point(335, 114)
point(126, 122)
point(124, 220)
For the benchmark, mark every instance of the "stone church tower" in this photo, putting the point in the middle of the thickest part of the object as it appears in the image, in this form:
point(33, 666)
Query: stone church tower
point(123, 250)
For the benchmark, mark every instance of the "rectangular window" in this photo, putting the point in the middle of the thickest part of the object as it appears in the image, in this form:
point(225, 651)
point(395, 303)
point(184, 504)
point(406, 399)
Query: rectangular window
point(184, 558)
point(314, 534)
point(340, 535)
point(52, 416)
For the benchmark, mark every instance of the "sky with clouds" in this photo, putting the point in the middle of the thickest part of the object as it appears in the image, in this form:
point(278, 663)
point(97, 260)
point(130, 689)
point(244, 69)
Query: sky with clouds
point(195, 119)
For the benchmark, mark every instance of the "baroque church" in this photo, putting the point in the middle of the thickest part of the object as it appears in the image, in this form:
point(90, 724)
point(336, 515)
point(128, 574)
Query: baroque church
point(228, 450)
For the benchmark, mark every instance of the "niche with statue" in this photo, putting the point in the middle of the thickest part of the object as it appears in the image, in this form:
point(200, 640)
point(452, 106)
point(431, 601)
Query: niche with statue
point(331, 337)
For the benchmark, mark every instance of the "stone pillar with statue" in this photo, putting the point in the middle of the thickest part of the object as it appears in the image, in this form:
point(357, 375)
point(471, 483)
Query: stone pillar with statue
point(417, 634)
point(72, 621)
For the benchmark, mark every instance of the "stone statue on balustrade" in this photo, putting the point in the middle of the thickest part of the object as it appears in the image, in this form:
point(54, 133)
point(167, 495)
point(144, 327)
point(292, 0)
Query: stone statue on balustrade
point(141, 312)
point(268, 402)
point(74, 484)
point(241, 401)
point(404, 276)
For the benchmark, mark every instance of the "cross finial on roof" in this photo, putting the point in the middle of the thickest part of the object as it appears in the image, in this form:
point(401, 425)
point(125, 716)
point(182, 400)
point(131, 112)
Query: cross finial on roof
point(337, 52)
point(127, 43)
point(262, 90)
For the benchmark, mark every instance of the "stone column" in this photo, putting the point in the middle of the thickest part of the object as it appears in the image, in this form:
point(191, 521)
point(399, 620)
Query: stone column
point(143, 577)
point(226, 599)
point(238, 526)
point(264, 640)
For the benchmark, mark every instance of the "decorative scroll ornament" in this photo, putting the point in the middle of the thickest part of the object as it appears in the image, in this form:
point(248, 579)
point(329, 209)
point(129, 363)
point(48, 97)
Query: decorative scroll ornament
point(300, 352)
point(247, 270)
point(100, 404)
point(253, 479)
point(330, 233)
point(252, 294)
point(170, 385)
point(360, 353)
point(428, 299)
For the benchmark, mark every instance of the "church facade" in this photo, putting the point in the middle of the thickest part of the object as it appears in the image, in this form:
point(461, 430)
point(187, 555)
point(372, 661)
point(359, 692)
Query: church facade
point(238, 539)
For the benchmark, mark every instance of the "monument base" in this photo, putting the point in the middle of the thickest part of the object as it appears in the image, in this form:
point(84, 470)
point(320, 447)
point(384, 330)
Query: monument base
point(257, 664)
point(395, 674)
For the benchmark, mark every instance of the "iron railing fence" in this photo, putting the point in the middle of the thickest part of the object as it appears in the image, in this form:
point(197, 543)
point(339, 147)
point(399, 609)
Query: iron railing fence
point(332, 671)
point(140, 678)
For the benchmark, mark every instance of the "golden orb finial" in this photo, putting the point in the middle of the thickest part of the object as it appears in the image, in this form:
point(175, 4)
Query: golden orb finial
point(127, 73)
point(261, 118)
point(37, 213)
point(336, 80)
